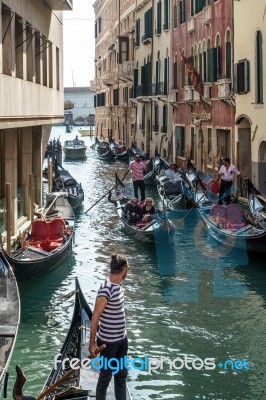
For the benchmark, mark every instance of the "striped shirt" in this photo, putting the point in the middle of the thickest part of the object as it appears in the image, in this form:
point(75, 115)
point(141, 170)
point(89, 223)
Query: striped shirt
point(112, 326)
point(137, 169)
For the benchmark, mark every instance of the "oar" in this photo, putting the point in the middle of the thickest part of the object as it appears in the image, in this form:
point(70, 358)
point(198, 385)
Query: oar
point(102, 197)
point(194, 205)
point(21, 379)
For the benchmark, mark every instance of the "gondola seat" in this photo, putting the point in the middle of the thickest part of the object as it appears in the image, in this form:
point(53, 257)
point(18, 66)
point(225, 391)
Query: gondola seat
point(57, 228)
point(39, 232)
point(235, 216)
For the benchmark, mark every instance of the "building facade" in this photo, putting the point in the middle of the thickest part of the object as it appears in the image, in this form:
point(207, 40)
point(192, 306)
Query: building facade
point(31, 99)
point(114, 66)
point(83, 112)
point(250, 89)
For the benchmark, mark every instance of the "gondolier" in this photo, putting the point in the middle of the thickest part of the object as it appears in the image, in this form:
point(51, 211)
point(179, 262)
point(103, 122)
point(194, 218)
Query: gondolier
point(226, 173)
point(109, 311)
point(137, 167)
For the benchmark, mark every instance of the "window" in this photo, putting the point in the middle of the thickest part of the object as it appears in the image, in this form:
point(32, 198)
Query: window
point(159, 18)
point(115, 97)
point(209, 145)
point(156, 118)
point(175, 85)
point(122, 46)
point(241, 77)
point(148, 24)
point(259, 70)
point(137, 32)
point(166, 24)
point(182, 11)
point(223, 140)
point(175, 15)
point(228, 55)
point(100, 25)
point(165, 116)
point(180, 140)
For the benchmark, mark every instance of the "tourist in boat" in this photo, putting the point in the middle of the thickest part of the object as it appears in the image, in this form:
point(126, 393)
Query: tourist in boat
point(226, 173)
point(137, 167)
point(148, 210)
point(133, 211)
point(108, 327)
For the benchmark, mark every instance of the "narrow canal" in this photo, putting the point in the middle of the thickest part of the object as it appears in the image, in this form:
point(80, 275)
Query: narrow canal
point(186, 299)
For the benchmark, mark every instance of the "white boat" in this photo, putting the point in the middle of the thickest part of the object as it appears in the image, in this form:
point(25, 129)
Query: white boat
point(86, 131)
point(74, 149)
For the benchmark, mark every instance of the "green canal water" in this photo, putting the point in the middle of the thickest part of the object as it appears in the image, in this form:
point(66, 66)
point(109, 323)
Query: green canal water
point(184, 300)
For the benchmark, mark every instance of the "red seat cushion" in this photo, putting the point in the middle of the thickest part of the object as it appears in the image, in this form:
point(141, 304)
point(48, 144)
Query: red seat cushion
point(56, 229)
point(218, 211)
point(39, 231)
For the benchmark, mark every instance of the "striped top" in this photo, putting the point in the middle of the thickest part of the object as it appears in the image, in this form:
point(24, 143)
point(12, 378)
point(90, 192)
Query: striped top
point(112, 326)
point(137, 169)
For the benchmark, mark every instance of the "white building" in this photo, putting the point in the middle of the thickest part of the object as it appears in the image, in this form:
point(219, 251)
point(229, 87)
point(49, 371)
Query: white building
point(83, 100)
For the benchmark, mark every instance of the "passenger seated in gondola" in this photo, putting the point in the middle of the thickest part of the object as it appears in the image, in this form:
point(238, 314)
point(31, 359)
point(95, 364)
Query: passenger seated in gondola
point(148, 210)
point(132, 211)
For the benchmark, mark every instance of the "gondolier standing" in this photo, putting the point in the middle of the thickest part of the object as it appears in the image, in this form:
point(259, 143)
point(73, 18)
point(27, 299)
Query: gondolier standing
point(226, 173)
point(137, 167)
point(109, 314)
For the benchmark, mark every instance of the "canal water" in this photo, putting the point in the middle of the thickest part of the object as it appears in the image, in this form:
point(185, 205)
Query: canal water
point(187, 302)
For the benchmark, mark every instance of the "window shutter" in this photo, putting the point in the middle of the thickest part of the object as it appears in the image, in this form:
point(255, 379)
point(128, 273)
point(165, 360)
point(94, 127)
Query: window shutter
point(166, 15)
point(228, 60)
point(191, 61)
point(138, 32)
point(95, 102)
point(142, 78)
point(246, 75)
point(165, 84)
point(236, 78)
point(95, 29)
point(192, 7)
point(175, 16)
point(219, 62)
point(159, 17)
point(212, 69)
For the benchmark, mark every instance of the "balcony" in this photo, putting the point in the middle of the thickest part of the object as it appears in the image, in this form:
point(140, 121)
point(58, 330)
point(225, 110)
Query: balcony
point(155, 127)
point(109, 78)
point(128, 67)
point(146, 39)
point(190, 24)
point(188, 90)
point(95, 84)
point(224, 88)
point(207, 91)
point(173, 97)
point(60, 5)
point(207, 15)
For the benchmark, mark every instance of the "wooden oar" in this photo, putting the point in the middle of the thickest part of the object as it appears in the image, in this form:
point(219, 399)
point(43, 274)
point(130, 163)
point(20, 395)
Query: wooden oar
point(21, 379)
point(102, 197)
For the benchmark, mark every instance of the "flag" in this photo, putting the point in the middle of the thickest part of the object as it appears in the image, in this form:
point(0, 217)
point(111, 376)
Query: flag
point(194, 75)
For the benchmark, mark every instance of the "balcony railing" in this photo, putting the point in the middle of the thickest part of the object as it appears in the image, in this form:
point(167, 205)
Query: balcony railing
point(96, 84)
point(224, 88)
point(190, 24)
point(62, 5)
point(152, 89)
point(128, 67)
point(109, 78)
point(146, 38)
point(207, 15)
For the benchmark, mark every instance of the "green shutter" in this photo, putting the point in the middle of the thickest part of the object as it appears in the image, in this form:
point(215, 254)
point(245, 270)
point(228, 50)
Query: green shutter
point(236, 78)
point(165, 84)
point(246, 75)
point(166, 15)
point(228, 59)
point(159, 17)
point(212, 64)
point(175, 16)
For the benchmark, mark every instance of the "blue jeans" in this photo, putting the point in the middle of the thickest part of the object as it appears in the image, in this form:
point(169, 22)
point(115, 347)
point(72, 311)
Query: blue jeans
point(113, 350)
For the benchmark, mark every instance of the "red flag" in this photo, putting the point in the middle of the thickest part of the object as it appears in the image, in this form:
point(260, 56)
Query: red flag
point(194, 75)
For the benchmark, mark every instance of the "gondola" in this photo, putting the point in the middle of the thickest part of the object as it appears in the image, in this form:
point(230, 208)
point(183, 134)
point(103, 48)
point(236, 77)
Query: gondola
point(80, 384)
point(120, 152)
point(104, 151)
point(47, 243)
point(64, 182)
point(135, 150)
point(9, 319)
point(159, 229)
point(175, 193)
point(74, 149)
point(234, 225)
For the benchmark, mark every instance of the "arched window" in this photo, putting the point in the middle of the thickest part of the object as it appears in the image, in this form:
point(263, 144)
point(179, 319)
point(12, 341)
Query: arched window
point(218, 57)
point(259, 69)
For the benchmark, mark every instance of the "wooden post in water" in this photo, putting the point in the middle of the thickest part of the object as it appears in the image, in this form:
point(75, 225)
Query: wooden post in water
point(8, 218)
point(31, 197)
point(50, 175)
